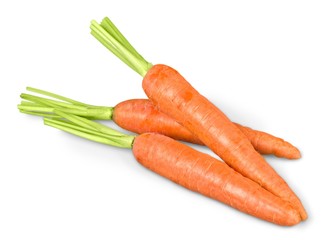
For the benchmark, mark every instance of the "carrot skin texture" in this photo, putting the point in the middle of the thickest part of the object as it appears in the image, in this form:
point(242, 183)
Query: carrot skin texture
point(269, 144)
point(141, 116)
point(206, 175)
point(174, 96)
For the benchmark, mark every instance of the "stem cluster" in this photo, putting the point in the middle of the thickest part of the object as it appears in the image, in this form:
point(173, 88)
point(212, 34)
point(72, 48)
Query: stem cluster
point(61, 115)
point(109, 35)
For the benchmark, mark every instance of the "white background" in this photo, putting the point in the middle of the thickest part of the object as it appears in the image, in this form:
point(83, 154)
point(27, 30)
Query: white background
point(262, 62)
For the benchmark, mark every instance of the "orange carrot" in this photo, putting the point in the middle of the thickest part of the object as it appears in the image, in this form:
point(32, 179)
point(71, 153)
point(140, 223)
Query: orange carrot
point(174, 96)
point(189, 168)
point(202, 173)
point(141, 116)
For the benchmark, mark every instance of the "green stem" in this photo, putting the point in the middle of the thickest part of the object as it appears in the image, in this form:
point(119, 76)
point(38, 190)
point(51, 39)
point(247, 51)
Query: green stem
point(40, 105)
point(109, 35)
point(56, 96)
point(40, 114)
point(113, 50)
point(83, 122)
point(110, 27)
point(34, 107)
point(49, 102)
point(122, 141)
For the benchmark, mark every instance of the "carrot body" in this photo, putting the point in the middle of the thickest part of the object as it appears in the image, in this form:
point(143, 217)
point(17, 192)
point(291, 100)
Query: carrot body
point(174, 96)
point(141, 116)
point(204, 174)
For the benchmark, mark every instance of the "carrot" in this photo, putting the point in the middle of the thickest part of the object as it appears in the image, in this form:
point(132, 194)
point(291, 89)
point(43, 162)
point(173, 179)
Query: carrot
point(141, 116)
point(176, 97)
point(187, 167)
